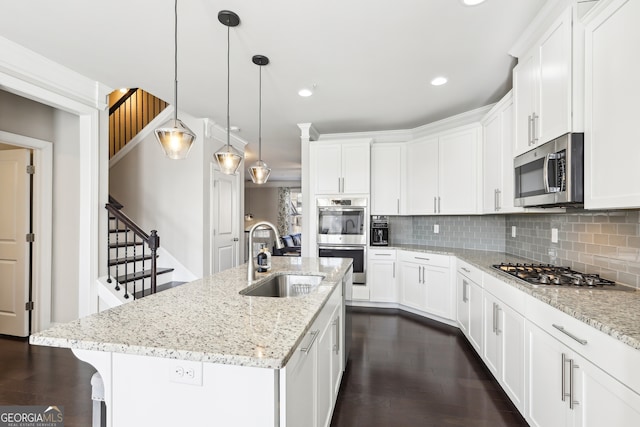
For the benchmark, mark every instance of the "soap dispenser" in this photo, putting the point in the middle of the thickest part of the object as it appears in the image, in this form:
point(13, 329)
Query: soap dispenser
point(262, 260)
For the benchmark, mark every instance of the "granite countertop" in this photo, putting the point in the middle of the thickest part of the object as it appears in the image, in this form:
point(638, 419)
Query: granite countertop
point(615, 313)
point(208, 320)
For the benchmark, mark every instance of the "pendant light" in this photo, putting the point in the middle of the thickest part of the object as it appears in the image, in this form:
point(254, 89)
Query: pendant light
point(260, 171)
point(228, 157)
point(175, 137)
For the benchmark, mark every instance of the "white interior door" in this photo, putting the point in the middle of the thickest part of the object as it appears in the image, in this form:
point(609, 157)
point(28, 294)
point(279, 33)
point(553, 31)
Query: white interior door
point(225, 222)
point(15, 210)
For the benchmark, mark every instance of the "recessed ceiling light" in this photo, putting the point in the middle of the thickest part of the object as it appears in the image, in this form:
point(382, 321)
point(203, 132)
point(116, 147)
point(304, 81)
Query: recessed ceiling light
point(439, 81)
point(472, 2)
point(233, 129)
point(123, 90)
point(305, 92)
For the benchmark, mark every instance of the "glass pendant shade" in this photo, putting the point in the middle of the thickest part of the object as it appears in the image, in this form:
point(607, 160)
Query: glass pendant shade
point(228, 159)
point(175, 138)
point(259, 172)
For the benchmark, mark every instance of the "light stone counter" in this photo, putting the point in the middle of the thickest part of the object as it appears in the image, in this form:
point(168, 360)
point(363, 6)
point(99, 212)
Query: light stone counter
point(615, 313)
point(208, 320)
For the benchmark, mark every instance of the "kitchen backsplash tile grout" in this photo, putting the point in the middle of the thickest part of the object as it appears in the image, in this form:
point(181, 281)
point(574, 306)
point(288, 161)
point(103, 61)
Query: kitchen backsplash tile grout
point(606, 243)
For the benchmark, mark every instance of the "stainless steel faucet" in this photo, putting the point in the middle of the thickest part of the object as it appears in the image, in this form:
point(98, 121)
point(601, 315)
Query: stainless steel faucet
point(251, 269)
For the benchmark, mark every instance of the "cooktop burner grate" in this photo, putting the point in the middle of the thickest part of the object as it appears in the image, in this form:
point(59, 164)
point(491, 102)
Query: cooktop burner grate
point(551, 275)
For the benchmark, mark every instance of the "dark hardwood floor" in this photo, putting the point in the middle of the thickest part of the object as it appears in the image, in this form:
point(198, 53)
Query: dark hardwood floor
point(414, 372)
point(403, 371)
point(34, 375)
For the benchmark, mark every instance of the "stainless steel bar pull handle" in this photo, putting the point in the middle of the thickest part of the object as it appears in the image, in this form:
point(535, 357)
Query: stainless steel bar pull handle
point(434, 205)
point(314, 335)
point(336, 324)
point(498, 204)
point(572, 366)
point(498, 331)
point(563, 381)
point(464, 291)
point(466, 270)
point(439, 211)
point(569, 334)
point(529, 137)
point(534, 134)
point(394, 269)
point(494, 318)
point(397, 205)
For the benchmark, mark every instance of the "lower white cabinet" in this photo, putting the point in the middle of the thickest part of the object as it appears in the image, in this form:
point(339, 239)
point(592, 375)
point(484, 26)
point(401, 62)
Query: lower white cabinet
point(381, 275)
point(469, 308)
point(565, 389)
point(425, 283)
point(503, 353)
point(314, 372)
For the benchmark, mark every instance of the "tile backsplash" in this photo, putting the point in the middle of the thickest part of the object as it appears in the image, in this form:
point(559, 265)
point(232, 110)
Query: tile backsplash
point(606, 243)
point(468, 232)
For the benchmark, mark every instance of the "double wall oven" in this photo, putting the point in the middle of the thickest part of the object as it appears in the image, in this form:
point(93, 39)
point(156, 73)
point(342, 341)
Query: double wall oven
point(342, 232)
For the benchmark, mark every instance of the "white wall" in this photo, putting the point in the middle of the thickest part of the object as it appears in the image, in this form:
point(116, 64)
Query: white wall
point(262, 203)
point(166, 195)
point(25, 117)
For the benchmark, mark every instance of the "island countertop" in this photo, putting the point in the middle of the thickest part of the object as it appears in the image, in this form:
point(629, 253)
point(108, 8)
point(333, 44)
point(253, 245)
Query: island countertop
point(208, 320)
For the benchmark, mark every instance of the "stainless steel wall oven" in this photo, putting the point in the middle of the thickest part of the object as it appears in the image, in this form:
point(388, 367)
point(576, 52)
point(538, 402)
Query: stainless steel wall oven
point(343, 226)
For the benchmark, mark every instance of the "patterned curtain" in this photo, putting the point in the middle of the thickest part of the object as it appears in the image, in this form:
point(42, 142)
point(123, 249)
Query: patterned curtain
point(284, 210)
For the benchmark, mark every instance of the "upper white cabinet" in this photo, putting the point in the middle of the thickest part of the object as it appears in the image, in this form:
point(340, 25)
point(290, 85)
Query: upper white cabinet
point(612, 135)
point(387, 179)
point(543, 86)
point(443, 173)
point(497, 159)
point(341, 167)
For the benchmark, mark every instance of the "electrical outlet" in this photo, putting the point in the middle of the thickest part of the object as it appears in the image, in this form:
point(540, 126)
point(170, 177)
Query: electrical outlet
point(513, 231)
point(436, 228)
point(554, 235)
point(186, 372)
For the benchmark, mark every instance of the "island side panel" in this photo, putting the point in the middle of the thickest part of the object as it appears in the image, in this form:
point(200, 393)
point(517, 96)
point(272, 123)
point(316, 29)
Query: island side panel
point(146, 391)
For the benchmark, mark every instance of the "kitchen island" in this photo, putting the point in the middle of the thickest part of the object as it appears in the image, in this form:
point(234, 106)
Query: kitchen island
point(203, 354)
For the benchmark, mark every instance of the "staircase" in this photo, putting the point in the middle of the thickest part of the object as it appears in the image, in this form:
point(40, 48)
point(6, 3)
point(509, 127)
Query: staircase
point(132, 257)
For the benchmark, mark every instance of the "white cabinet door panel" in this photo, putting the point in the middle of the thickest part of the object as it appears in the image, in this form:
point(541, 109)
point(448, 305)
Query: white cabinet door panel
point(422, 181)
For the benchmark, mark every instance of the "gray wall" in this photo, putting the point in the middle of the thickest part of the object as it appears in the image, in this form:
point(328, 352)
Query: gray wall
point(467, 232)
point(606, 243)
point(25, 117)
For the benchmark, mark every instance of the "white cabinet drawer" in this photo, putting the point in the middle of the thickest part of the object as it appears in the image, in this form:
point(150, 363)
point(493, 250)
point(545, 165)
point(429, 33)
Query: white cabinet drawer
point(609, 354)
point(382, 254)
point(435, 260)
point(470, 271)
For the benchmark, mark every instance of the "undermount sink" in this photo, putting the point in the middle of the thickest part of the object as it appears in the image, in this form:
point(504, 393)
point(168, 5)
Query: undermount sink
point(283, 286)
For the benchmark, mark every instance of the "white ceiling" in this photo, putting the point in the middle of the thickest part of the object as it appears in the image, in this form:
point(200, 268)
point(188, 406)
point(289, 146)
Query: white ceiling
point(372, 60)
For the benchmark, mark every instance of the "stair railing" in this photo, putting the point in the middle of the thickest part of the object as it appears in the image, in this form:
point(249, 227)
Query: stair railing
point(139, 238)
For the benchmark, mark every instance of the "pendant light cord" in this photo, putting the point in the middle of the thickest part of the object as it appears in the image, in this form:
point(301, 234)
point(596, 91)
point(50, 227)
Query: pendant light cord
point(228, 92)
point(260, 117)
point(175, 65)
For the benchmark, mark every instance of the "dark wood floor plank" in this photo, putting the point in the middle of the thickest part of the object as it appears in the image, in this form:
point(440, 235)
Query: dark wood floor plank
point(409, 371)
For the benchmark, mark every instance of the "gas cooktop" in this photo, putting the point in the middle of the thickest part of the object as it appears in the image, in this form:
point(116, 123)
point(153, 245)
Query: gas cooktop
point(547, 275)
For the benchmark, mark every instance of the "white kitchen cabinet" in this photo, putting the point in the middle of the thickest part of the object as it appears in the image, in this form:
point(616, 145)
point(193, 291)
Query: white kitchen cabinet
point(611, 104)
point(301, 382)
point(543, 87)
point(422, 176)
point(469, 304)
point(503, 352)
point(497, 159)
point(443, 173)
point(381, 275)
point(426, 283)
point(341, 167)
point(313, 374)
point(388, 179)
point(566, 389)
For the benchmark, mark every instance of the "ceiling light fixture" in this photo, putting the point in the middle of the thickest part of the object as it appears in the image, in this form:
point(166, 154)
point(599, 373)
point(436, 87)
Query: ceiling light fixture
point(305, 92)
point(260, 171)
point(228, 157)
point(472, 2)
point(439, 81)
point(175, 137)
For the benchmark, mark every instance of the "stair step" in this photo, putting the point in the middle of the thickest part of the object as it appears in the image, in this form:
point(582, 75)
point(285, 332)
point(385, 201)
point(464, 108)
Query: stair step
point(124, 244)
point(127, 260)
point(159, 288)
point(141, 275)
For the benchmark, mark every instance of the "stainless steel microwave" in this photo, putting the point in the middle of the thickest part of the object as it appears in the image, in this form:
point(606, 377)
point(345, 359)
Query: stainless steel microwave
point(552, 174)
